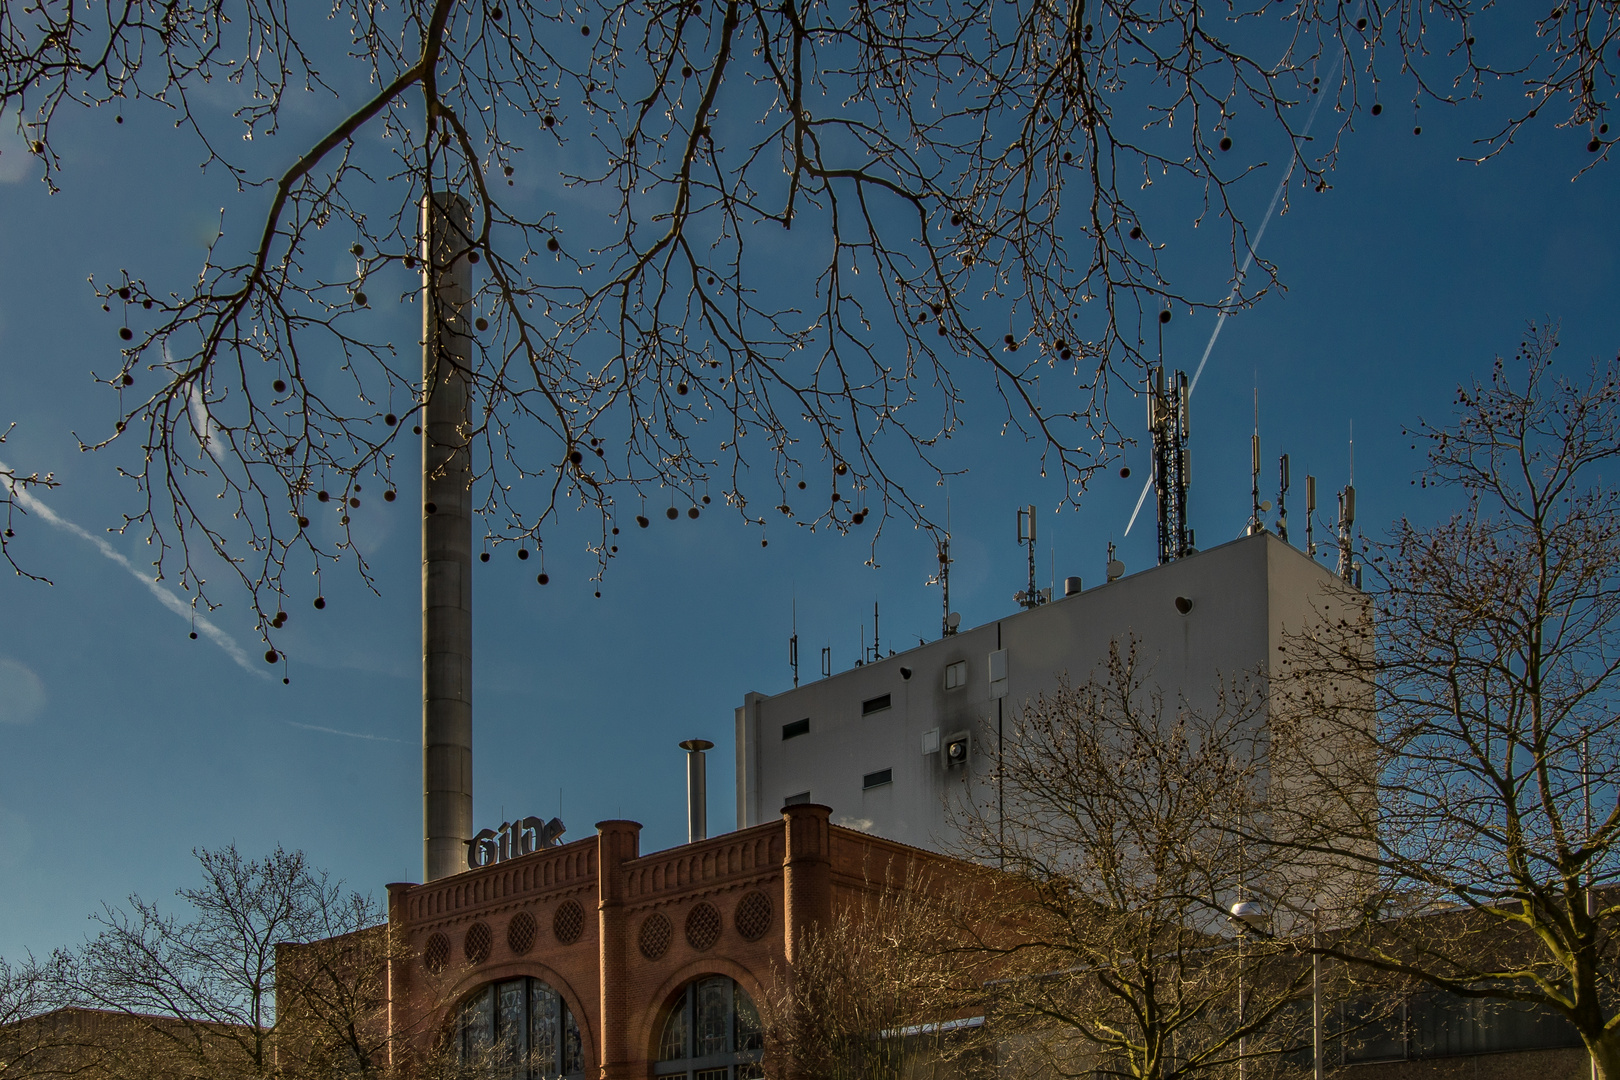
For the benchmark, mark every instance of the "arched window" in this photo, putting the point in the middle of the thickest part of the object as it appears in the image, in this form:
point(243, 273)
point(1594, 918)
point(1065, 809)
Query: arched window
point(520, 1028)
point(712, 1032)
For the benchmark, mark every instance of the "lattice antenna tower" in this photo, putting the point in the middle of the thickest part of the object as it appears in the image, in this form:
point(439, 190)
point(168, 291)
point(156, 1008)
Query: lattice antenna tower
point(1169, 425)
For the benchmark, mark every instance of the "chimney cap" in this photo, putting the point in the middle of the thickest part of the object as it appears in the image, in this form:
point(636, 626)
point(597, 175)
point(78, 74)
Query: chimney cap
point(696, 745)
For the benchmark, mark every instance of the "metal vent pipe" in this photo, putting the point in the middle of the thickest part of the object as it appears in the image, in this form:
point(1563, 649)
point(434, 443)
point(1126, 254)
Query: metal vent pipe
point(697, 790)
point(446, 510)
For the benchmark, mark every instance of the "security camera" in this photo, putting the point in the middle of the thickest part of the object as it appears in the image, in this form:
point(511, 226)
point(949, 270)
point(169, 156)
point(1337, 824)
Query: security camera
point(958, 748)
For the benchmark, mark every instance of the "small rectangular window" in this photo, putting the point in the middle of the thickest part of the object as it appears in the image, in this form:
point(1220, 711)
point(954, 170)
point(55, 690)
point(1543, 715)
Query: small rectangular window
point(878, 779)
point(872, 705)
point(795, 729)
point(795, 800)
point(956, 675)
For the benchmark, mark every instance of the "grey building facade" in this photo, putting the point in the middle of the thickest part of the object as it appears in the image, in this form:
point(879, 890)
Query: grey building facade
point(887, 745)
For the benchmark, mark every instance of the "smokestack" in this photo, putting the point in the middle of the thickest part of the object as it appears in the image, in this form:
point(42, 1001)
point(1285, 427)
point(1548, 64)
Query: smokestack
point(697, 790)
point(446, 538)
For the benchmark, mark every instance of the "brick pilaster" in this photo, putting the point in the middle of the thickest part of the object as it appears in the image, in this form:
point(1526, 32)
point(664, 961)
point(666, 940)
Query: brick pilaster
point(617, 841)
point(806, 872)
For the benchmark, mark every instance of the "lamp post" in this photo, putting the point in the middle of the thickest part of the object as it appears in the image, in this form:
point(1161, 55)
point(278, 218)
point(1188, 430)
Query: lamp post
point(1246, 915)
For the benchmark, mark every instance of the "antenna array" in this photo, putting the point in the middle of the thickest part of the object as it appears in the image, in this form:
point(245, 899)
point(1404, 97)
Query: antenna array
point(1032, 596)
point(1169, 424)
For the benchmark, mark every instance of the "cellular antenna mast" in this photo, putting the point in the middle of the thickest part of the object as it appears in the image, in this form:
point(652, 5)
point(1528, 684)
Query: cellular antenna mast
point(1347, 519)
point(793, 643)
point(1349, 572)
point(1310, 515)
point(1282, 499)
point(1256, 523)
point(943, 576)
point(1169, 425)
point(1033, 596)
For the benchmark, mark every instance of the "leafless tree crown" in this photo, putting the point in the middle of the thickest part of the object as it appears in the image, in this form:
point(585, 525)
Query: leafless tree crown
point(747, 252)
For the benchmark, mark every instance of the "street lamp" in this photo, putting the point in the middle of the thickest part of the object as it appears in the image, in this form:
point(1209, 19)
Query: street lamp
point(1246, 915)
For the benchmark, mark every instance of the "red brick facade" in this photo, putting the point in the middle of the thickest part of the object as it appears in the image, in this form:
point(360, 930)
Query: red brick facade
point(624, 968)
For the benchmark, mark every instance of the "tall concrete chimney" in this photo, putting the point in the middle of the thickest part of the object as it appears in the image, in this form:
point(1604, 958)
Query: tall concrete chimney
point(446, 538)
point(697, 790)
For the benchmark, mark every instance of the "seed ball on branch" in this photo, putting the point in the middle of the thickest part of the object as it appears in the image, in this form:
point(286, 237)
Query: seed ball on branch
point(125, 332)
point(672, 513)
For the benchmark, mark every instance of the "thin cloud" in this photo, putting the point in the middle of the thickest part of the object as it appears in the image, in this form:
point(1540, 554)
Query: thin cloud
point(167, 598)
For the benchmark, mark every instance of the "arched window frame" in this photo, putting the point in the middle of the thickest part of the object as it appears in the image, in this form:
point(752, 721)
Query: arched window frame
point(507, 1009)
point(743, 1039)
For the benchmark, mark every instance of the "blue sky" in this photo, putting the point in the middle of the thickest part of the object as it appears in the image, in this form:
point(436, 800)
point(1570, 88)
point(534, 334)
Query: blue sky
point(124, 743)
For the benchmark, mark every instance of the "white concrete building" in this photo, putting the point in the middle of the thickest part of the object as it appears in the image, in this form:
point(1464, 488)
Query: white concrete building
point(876, 743)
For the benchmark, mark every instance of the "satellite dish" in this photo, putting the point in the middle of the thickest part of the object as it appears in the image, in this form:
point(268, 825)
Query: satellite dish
point(953, 620)
point(1265, 507)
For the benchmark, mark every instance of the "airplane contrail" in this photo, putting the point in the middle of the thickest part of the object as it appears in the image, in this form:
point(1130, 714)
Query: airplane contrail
point(1248, 260)
point(339, 731)
point(167, 598)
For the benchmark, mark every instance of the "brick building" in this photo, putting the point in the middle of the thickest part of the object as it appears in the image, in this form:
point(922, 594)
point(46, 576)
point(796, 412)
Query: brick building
point(591, 959)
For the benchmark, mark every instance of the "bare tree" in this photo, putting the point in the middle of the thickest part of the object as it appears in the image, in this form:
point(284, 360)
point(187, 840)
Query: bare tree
point(1485, 696)
point(13, 487)
point(760, 250)
point(274, 971)
point(28, 1045)
point(885, 991)
point(1120, 952)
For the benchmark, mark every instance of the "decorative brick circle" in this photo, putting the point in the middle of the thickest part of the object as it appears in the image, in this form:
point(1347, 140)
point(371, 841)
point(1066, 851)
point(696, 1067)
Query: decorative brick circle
point(655, 935)
point(436, 954)
point(477, 942)
point(753, 916)
point(568, 923)
point(520, 933)
point(702, 926)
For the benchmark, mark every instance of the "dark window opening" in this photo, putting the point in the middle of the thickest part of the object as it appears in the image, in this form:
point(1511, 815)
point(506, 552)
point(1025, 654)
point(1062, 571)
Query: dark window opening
point(877, 704)
point(878, 779)
point(795, 729)
point(795, 800)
